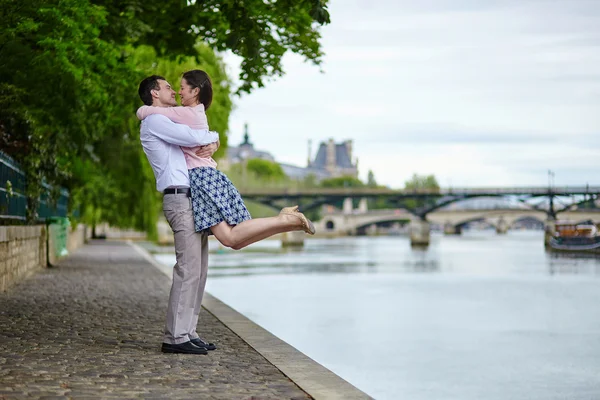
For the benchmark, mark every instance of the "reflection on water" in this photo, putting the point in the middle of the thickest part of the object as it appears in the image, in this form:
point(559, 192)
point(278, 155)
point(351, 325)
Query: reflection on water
point(476, 316)
point(573, 263)
point(473, 253)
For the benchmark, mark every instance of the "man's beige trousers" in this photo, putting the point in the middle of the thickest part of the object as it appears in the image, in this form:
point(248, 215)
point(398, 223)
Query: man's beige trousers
point(189, 273)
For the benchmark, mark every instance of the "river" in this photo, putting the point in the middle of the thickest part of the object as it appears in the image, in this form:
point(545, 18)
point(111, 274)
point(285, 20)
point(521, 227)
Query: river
point(475, 316)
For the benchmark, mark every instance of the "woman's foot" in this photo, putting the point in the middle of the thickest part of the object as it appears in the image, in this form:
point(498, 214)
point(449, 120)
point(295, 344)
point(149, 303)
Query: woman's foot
point(307, 225)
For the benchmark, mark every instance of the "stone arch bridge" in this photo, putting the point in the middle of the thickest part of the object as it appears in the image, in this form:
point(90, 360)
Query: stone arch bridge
point(348, 221)
point(342, 222)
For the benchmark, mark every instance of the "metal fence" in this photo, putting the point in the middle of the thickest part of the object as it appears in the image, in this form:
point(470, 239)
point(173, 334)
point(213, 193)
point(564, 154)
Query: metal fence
point(13, 201)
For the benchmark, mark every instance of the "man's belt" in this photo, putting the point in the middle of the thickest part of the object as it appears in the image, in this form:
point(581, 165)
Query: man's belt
point(185, 191)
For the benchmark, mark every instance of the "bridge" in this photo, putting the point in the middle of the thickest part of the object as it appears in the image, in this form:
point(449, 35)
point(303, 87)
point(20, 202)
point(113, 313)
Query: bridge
point(340, 222)
point(429, 203)
point(313, 198)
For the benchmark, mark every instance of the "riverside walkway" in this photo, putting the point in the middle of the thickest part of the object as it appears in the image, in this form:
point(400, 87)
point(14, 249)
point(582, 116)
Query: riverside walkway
point(92, 328)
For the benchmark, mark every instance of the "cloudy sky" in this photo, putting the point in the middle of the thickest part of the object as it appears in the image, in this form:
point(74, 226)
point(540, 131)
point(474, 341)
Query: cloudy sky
point(476, 92)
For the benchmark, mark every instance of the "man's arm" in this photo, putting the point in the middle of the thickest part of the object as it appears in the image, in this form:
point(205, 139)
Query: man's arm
point(178, 134)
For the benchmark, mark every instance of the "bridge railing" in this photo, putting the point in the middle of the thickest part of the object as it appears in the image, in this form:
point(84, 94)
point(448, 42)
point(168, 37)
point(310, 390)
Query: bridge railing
point(13, 198)
point(357, 192)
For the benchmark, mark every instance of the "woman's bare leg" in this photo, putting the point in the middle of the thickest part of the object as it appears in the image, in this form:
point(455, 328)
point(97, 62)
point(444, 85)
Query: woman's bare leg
point(253, 230)
point(260, 237)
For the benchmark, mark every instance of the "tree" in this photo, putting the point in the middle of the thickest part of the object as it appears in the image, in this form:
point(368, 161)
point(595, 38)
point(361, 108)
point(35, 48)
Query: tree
point(69, 71)
point(310, 181)
point(421, 183)
point(259, 31)
point(257, 173)
point(371, 182)
point(375, 203)
point(56, 76)
point(146, 59)
point(341, 182)
point(266, 170)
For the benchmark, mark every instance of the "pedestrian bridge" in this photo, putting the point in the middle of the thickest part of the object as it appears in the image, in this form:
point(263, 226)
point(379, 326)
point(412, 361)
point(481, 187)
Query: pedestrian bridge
point(349, 222)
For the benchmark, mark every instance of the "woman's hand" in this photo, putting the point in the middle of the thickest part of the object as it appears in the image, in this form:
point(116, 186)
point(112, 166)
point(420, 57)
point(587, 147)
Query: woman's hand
point(208, 150)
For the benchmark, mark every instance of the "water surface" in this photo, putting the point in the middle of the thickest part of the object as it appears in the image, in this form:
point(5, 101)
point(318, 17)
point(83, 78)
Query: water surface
point(476, 316)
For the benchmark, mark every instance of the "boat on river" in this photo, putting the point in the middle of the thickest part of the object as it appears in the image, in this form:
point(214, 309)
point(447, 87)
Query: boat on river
point(580, 237)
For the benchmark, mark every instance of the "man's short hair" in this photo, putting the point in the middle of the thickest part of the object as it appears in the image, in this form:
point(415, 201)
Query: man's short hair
point(147, 86)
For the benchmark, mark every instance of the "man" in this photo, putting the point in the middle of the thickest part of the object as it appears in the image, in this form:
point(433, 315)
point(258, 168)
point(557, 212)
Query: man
point(161, 139)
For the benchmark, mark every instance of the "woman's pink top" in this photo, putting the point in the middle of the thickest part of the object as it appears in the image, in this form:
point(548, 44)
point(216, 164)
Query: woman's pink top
point(194, 117)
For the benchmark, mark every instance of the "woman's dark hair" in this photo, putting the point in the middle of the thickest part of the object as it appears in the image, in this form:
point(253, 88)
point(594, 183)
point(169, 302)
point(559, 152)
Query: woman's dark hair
point(147, 86)
point(199, 79)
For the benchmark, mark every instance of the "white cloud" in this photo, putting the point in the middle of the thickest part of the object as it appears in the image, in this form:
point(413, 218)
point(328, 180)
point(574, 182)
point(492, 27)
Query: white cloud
point(477, 93)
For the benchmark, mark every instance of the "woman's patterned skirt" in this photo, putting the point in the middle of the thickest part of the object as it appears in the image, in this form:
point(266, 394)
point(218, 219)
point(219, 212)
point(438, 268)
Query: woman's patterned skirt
point(215, 199)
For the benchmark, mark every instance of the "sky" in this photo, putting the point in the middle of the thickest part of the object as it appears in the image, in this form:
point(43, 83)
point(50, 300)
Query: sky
point(479, 93)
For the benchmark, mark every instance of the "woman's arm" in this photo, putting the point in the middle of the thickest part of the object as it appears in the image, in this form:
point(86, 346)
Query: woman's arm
point(179, 134)
point(208, 150)
point(180, 115)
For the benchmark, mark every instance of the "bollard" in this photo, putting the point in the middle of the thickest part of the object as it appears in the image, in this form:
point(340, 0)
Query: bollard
point(56, 238)
point(292, 239)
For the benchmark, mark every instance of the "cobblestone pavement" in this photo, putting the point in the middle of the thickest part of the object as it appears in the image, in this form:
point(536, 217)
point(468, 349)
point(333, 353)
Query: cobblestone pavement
point(91, 328)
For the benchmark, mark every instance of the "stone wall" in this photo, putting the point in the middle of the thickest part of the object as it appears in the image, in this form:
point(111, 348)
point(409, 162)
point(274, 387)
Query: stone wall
point(23, 250)
point(78, 236)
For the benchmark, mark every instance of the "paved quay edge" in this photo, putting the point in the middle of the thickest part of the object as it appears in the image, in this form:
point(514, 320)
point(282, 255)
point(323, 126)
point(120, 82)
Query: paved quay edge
point(316, 380)
point(91, 328)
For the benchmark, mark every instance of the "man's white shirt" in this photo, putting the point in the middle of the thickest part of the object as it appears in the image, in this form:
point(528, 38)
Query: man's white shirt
point(161, 139)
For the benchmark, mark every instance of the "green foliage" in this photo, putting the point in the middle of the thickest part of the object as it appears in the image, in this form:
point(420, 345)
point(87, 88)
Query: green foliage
point(371, 182)
point(146, 59)
point(259, 31)
point(67, 109)
point(377, 203)
point(258, 210)
point(267, 170)
point(426, 182)
point(257, 173)
point(57, 78)
point(69, 71)
point(342, 182)
point(310, 181)
point(417, 183)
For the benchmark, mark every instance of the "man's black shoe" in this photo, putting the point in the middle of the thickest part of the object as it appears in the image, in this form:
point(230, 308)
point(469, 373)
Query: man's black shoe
point(183, 348)
point(201, 343)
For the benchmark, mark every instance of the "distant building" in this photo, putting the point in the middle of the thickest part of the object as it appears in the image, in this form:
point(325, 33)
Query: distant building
point(301, 173)
point(332, 159)
point(335, 159)
point(245, 151)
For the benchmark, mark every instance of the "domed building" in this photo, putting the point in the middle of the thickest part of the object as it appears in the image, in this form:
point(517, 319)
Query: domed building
point(332, 159)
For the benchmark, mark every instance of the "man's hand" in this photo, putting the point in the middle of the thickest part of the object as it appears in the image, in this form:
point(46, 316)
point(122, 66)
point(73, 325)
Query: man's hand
point(208, 150)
